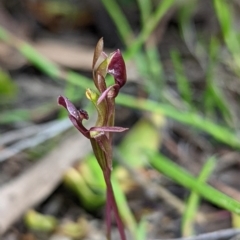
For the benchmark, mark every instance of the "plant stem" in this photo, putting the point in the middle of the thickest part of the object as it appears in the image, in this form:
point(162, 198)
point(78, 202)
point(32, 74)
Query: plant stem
point(108, 215)
point(111, 204)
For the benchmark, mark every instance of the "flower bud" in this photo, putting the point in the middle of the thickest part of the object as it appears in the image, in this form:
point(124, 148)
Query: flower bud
point(117, 68)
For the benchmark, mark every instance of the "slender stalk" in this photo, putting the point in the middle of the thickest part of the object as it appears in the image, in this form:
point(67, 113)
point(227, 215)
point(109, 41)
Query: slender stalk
point(103, 160)
point(108, 216)
point(113, 204)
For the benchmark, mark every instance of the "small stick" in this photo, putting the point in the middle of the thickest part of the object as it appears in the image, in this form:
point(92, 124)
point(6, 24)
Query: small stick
point(33, 186)
point(48, 130)
point(217, 235)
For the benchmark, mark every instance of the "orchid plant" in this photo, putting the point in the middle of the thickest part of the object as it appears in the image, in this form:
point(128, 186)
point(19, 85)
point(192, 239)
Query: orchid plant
point(100, 135)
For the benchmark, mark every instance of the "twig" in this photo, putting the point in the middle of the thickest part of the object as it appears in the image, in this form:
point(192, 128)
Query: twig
point(217, 235)
point(15, 135)
point(38, 182)
point(46, 132)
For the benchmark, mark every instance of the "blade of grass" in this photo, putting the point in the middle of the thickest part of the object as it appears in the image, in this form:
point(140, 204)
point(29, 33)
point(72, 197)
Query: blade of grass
point(210, 88)
point(185, 179)
point(230, 36)
point(124, 28)
point(155, 63)
point(119, 20)
point(145, 7)
point(194, 199)
point(187, 28)
point(150, 72)
point(182, 81)
point(193, 119)
point(148, 28)
point(213, 96)
point(156, 72)
point(34, 57)
point(142, 230)
point(142, 66)
point(124, 209)
point(50, 68)
point(43, 64)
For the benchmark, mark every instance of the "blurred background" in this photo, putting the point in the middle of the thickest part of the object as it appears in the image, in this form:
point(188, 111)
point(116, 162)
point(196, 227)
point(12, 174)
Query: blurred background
point(180, 103)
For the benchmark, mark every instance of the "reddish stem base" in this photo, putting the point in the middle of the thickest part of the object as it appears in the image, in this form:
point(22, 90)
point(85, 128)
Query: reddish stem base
point(112, 205)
